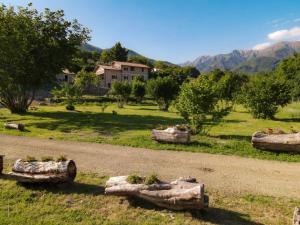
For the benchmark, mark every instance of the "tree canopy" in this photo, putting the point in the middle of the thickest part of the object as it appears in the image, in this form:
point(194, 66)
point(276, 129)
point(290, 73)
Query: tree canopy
point(34, 47)
point(116, 53)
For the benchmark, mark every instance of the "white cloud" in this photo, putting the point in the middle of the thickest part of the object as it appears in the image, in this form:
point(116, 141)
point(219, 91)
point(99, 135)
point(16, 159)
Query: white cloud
point(262, 46)
point(280, 35)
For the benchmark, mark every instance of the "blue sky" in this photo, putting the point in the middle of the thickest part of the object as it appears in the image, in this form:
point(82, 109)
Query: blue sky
point(181, 30)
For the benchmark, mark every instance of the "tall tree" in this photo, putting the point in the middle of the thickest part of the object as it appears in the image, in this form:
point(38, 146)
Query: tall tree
point(116, 53)
point(34, 47)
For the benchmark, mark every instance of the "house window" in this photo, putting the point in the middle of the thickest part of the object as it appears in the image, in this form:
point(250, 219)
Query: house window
point(125, 77)
point(132, 68)
point(125, 68)
point(108, 84)
point(142, 69)
point(66, 77)
point(114, 77)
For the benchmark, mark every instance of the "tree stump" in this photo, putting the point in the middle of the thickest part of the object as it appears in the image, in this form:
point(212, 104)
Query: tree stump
point(276, 142)
point(17, 126)
point(171, 135)
point(1, 163)
point(296, 217)
point(180, 194)
point(39, 172)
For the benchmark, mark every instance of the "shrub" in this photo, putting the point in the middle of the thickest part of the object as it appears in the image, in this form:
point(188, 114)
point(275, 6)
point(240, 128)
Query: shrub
point(47, 158)
point(152, 179)
point(70, 107)
point(263, 95)
point(30, 159)
point(121, 90)
point(163, 90)
point(198, 103)
point(134, 179)
point(138, 90)
point(61, 158)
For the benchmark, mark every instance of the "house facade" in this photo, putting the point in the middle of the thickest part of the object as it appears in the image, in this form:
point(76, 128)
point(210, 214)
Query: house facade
point(121, 71)
point(65, 76)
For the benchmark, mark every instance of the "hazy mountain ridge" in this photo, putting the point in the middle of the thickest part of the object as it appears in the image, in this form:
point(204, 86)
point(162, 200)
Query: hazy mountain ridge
point(249, 61)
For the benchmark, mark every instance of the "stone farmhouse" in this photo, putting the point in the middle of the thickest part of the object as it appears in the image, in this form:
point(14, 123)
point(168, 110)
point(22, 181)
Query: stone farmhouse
point(121, 71)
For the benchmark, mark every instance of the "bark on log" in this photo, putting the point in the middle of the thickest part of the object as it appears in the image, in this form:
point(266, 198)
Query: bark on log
point(277, 142)
point(38, 172)
point(171, 135)
point(296, 217)
point(1, 163)
point(17, 126)
point(178, 195)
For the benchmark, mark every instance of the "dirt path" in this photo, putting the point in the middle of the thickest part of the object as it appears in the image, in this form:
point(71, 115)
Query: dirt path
point(227, 174)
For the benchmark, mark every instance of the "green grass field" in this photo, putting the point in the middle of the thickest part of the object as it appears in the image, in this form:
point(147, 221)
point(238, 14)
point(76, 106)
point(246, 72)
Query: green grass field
point(132, 126)
point(84, 203)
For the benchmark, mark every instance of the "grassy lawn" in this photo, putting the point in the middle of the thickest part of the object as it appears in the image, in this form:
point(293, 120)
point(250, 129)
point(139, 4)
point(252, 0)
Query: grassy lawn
point(132, 126)
point(84, 203)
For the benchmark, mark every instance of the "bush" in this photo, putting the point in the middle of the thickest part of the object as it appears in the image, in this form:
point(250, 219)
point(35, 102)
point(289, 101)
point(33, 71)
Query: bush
point(163, 90)
point(152, 179)
point(263, 95)
point(61, 158)
point(138, 90)
point(30, 159)
point(198, 103)
point(121, 90)
point(70, 107)
point(47, 158)
point(134, 179)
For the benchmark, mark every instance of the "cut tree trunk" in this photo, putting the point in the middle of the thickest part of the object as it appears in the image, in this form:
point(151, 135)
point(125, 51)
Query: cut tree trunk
point(1, 163)
point(38, 172)
point(171, 135)
point(296, 217)
point(17, 126)
point(177, 195)
point(277, 142)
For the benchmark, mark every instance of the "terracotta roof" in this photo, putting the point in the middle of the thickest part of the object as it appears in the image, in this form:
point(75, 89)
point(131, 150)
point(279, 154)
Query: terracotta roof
point(130, 64)
point(107, 67)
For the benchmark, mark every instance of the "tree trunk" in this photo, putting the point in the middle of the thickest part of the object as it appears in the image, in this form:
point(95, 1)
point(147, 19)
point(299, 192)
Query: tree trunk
point(177, 195)
point(171, 135)
point(277, 142)
point(17, 126)
point(296, 217)
point(37, 172)
point(1, 163)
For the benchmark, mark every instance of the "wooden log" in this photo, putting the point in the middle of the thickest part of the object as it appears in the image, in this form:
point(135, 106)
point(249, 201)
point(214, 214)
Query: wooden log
point(171, 135)
point(180, 194)
point(17, 126)
point(1, 163)
point(38, 172)
point(296, 216)
point(276, 142)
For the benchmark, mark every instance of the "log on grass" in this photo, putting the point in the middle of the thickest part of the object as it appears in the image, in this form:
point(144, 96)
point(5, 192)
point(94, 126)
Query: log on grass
point(180, 194)
point(171, 135)
point(296, 216)
point(17, 126)
point(276, 142)
point(39, 172)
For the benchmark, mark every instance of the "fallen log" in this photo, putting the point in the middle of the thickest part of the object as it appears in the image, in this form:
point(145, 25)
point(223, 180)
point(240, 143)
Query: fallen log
point(17, 126)
point(180, 194)
point(296, 216)
point(171, 135)
point(39, 172)
point(276, 142)
point(1, 163)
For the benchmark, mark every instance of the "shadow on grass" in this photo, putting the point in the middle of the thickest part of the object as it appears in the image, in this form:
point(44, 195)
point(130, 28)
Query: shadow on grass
point(98, 122)
point(212, 215)
point(66, 188)
point(296, 120)
point(233, 137)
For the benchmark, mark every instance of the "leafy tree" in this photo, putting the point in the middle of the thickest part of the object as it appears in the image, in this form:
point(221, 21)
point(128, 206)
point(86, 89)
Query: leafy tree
point(138, 89)
point(290, 69)
point(198, 103)
point(121, 90)
point(34, 47)
point(116, 53)
point(163, 90)
point(86, 80)
point(70, 93)
point(140, 59)
point(84, 60)
point(263, 95)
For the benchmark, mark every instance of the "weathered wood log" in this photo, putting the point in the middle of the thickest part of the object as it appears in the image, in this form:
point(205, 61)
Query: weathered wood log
point(171, 135)
point(178, 195)
point(17, 126)
point(296, 216)
point(276, 142)
point(1, 163)
point(38, 172)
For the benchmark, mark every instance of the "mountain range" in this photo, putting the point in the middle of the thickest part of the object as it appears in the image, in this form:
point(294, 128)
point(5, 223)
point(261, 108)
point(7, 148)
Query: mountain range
point(248, 61)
